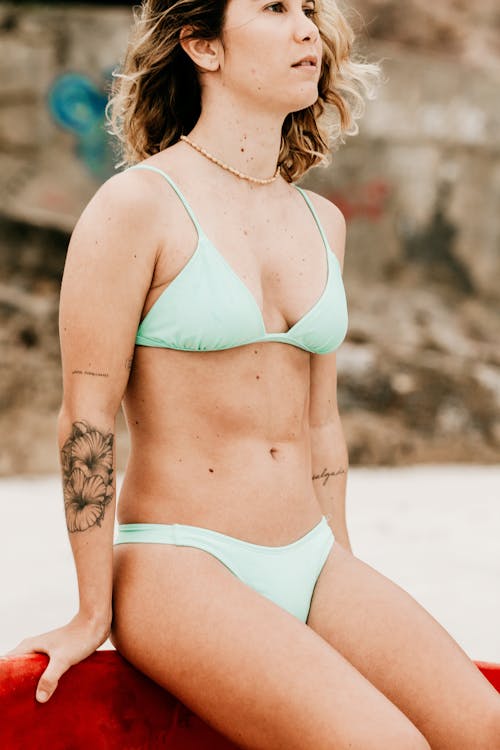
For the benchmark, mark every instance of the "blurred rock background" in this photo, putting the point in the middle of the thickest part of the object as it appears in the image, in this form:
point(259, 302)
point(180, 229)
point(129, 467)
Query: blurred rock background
point(419, 372)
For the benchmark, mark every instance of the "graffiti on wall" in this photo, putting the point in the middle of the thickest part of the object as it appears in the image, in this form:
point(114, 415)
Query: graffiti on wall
point(365, 199)
point(77, 104)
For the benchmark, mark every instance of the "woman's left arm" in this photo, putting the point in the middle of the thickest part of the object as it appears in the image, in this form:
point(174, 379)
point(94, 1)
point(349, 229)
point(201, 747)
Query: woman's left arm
point(329, 455)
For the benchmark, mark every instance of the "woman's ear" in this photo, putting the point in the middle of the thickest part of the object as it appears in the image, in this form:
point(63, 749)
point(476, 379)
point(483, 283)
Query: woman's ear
point(203, 52)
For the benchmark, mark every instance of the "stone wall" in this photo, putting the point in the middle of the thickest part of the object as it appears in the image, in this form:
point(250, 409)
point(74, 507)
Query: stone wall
point(419, 372)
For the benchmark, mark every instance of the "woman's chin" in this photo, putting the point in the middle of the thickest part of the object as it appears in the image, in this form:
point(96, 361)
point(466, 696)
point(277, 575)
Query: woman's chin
point(302, 102)
point(294, 102)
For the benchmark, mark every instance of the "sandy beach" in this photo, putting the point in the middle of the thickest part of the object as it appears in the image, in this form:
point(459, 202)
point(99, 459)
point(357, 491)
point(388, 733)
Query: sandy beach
point(434, 530)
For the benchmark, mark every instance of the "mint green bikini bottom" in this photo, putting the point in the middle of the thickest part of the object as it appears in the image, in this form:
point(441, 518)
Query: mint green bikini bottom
point(286, 574)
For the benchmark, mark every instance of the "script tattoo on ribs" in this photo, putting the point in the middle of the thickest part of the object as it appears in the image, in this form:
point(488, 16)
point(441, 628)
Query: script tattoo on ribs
point(87, 468)
point(327, 474)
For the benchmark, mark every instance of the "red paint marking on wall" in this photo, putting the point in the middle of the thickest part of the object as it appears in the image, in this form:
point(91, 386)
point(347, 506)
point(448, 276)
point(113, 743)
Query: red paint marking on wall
point(55, 200)
point(367, 200)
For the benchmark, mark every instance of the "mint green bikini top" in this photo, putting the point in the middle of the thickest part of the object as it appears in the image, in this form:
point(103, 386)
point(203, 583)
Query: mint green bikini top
point(207, 307)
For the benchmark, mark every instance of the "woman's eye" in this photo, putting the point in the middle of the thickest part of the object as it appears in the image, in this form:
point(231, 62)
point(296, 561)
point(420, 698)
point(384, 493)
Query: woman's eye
point(310, 12)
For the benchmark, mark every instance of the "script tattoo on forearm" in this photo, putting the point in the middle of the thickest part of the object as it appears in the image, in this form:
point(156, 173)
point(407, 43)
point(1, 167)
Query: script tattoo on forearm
point(327, 474)
point(90, 372)
point(87, 468)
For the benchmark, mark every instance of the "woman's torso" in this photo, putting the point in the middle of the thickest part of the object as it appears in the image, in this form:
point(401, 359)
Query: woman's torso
point(220, 439)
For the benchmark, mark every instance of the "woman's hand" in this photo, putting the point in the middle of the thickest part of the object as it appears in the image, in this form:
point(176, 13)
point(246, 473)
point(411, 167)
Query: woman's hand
point(65, 646)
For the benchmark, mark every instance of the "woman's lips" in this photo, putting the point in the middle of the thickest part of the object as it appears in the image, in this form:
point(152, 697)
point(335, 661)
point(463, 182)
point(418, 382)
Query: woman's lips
point(305, 66)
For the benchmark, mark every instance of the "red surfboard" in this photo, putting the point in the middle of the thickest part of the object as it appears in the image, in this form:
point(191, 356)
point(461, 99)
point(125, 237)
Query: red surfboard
point(104, 703)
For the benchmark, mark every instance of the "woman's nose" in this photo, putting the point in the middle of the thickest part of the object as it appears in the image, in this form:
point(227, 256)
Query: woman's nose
point(306, 29)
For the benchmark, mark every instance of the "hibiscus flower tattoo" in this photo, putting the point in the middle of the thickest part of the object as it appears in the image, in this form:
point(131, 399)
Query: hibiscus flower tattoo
point(87, 467)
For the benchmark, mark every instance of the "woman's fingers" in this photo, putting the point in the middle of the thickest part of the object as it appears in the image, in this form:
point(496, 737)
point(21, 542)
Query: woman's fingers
point(53, 671)
point(49, 679)
point(23, 647)
point(64, 646)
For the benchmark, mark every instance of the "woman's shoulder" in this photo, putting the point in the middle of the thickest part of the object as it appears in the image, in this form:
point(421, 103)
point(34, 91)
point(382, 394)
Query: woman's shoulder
point(332, 220)
point(131, 196)
point(145, 184)
point(125, 191)
point(121, 213)
point(326, 209)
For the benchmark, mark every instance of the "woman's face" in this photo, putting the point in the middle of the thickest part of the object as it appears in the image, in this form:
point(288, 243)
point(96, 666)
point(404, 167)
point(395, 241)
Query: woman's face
point(262, 41)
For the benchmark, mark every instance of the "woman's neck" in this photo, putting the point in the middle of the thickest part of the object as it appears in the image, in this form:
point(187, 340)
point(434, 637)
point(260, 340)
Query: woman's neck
point(248, 142)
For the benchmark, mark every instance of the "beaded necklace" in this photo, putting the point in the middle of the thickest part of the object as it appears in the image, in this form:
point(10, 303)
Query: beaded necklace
point(259, 181)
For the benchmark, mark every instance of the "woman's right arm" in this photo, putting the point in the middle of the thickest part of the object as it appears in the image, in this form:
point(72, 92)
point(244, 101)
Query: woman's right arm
point(107, 274)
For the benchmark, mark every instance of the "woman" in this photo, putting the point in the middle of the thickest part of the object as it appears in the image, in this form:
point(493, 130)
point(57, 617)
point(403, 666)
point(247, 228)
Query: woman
point(204, 288)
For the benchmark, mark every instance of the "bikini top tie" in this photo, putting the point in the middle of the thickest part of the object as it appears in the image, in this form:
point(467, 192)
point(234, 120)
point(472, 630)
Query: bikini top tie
point(207, 307)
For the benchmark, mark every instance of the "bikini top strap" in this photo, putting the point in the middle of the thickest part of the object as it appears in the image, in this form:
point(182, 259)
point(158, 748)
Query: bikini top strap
point(316, 217)
point(177, 190)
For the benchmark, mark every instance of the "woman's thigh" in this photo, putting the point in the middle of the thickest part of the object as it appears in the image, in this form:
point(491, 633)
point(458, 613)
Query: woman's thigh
point(250, 669)
point(400, 648)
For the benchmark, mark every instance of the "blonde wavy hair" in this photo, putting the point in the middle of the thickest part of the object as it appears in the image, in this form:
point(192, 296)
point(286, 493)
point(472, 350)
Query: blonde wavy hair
point(155, 95)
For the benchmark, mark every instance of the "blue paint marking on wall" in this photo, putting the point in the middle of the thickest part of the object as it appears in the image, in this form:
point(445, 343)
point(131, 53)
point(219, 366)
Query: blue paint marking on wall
point(77, 105)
